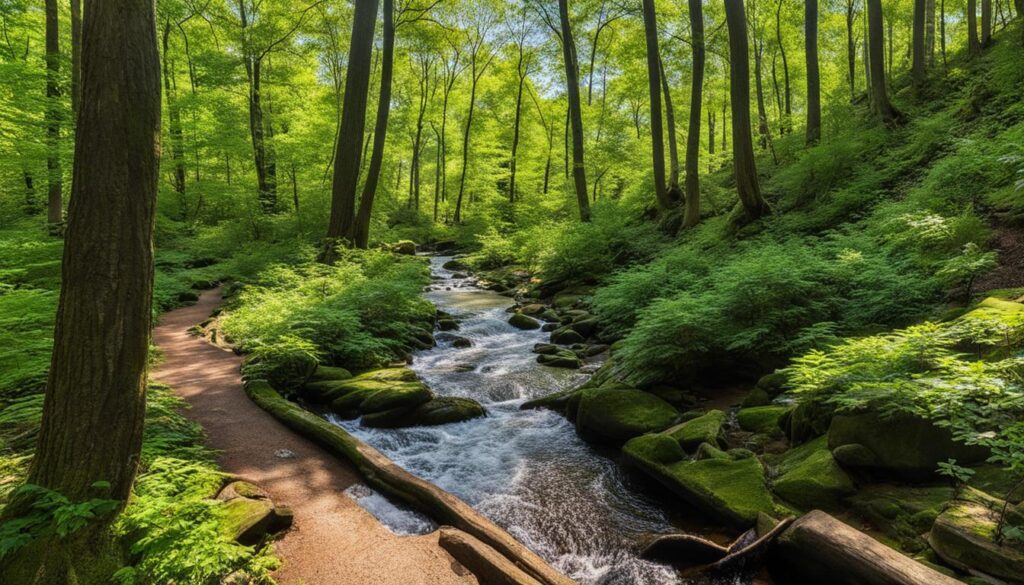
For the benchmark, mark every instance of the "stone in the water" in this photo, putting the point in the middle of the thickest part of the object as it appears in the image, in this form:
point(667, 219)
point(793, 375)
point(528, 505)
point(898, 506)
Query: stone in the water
point(438, 411)
point(560, 359)
point(521, 321)
point(461, 342)
point(565, 336)
point(447, 324)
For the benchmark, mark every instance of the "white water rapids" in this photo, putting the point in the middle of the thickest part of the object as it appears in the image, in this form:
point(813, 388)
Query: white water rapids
point(525, 469)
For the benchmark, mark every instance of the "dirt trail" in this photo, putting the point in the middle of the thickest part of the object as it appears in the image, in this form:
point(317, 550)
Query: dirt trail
point(333, 540)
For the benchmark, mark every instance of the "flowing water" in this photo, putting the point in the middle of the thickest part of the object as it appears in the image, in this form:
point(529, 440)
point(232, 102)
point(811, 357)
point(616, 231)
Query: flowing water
point(525, 469)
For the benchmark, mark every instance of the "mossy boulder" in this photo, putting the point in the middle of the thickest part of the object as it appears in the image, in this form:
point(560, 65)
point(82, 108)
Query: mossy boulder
point(566, 336)
point(964, 536)
point(707, 428)
point(403, 247)
point(437, 411)
point(377, 391)
point(586, 326)
point(325, 373)
point(761, 419)
point(560, 359)
point(756, 397)
point(447, 324)
point(247, 520)
point(616, 415)
point(809, 478)
point(521, 321)
point(729, 490)
point(657, 448)
point(901, 512)
point(533, 309)
point(807, 420)
point(903, 444)
point(773, 384)
point(289, 371)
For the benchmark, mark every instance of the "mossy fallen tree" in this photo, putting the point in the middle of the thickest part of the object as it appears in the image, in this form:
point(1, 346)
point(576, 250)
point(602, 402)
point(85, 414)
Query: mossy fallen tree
point(482, 560)
point(387, 477)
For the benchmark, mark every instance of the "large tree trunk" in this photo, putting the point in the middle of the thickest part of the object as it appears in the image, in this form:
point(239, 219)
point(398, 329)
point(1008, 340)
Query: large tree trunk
point(942, 31)
point(786, 125)
point(747, 186)
point(691, 213)
point(360, 228)
point(986, 23)
point(579, 172)
point(973, 44)
point(876, 63)
point(851, 50)
point(674, 194)
point(93, 411)
point(654, 89)
point(55, 202)
point(348, 151)
point(174, 118)
point(813, 78)
point(918, 72)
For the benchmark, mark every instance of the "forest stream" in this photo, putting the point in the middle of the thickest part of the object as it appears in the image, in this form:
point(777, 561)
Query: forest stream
point(525, 469)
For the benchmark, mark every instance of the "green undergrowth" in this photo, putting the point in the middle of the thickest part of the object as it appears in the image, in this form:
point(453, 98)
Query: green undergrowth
point(364, 311)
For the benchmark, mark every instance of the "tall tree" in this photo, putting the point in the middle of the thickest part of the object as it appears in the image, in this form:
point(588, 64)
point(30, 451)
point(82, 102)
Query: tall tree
point(973, 44)
point(918, 67)
point(480, 58)
point(572, 86)
point(691, 213)
point(174, 117)
point(876, 64)
point(76, 57)
point(654, 89)
point(929, 33)
point(525, 57)
point(747, 186)
point(55, 201)
point(675, 195)
point(91, 432)
point(359, 231)
point(813, 77)
point(986, 23)
point(348, 151)
point(851, 48)
point(787, 121)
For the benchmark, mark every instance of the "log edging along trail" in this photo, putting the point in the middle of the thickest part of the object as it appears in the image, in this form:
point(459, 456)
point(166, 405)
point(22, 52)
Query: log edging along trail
point(388, 477)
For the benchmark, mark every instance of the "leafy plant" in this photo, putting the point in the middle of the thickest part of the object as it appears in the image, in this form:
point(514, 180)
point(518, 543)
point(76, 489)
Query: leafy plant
point(959, 476)
point(51, 514)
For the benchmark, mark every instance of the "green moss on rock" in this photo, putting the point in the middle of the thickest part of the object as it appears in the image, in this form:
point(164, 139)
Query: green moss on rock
point(437, 411)
point(707, 428)
point(761, 419)
point(810, 478)
point(903, 444)
point(901, 512)
point(247, 520)
point(964, 536)
point(618, 414)
point(521, 321)
point(656, 448)
point(324, 373)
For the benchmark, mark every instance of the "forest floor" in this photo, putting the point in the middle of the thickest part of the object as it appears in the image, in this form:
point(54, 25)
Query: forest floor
point(333, 540)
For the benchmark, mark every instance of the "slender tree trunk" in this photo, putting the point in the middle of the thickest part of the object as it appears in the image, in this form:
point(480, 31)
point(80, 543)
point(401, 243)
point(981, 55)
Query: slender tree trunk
point(91, 431)
point(747, 186)
point(851, 50)
point(174, 117)
point(787, 123)
point(879, 95)
point(691, 213)
point(55, 201)
point(579, 172)
point(942, 32)
point(711, 129)
point(359, 233)
point(437, 169)
point(929, 33)
point(986, 23)
point(654, 89)
point(675, 195)
point(973, 44)
point(476, 72)
point(295, 187)
point(350, 135)
point(762, 115)
point(918, 71)
point(76, 58)
point(813, 77)
point(513, 162)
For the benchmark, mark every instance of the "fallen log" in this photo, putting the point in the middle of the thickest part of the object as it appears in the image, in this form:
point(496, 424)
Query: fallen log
point(743, 551)
point(490, 567)
point(818, 548)
point(683, 549)
point(387, 477)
